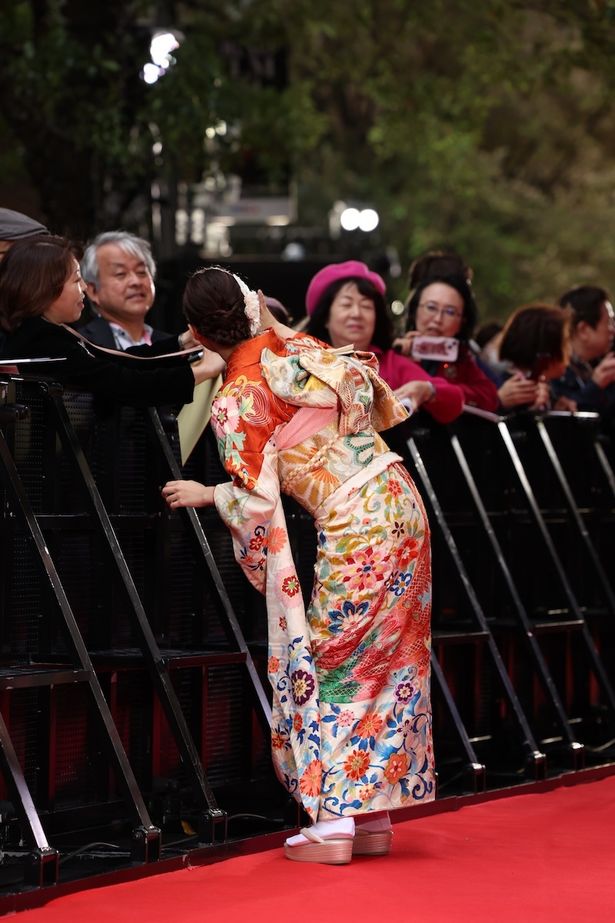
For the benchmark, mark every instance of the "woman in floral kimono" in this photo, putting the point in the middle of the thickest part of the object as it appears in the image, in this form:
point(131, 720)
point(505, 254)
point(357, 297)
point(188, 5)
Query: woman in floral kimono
point(351, 727)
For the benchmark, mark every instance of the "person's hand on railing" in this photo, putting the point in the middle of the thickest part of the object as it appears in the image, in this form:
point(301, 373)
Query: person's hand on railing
point(542, 401)
point(209, 366)
point(604, 373)
point(565, 403)
point(518, 391)
point(187, 493)
point(415, 392)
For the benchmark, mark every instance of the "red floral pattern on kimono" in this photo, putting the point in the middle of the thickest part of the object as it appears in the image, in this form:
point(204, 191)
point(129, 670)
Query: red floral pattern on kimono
point(351, 725)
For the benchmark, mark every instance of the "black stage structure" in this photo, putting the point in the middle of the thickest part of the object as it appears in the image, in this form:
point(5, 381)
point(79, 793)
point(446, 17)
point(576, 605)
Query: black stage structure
point(134, 706)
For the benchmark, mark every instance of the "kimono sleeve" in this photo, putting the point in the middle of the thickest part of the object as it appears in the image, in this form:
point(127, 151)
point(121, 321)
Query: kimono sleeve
point(245, 418)
point(247, 507)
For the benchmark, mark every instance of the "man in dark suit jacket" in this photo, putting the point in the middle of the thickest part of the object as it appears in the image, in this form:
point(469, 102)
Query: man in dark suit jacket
point(119, 271)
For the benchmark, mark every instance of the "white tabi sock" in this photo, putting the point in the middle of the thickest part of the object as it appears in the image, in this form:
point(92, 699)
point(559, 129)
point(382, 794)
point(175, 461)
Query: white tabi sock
point(327, 829)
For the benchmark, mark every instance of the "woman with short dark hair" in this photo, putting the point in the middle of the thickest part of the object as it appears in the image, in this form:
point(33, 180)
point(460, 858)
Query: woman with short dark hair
point(536, 346)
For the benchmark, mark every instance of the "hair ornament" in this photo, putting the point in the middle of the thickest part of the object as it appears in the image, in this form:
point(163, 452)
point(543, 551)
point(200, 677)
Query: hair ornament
point(252, 305)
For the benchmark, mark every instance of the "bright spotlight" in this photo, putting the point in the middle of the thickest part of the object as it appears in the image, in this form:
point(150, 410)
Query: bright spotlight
point(162, 44)
point(349, 219)
point(368, 220)
point(151, 72)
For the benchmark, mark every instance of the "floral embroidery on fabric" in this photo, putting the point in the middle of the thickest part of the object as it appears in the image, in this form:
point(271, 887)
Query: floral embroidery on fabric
point(311, 779)
point(356, 765)
point(351, 726)
point(396, 768)
point(303, 686)
point(225, 415)
point(290, 586)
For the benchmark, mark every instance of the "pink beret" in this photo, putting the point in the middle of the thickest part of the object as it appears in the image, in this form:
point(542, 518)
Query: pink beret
point(335, 272)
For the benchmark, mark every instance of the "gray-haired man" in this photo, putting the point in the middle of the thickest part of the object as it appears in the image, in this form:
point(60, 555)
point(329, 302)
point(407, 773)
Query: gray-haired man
point(119, 271)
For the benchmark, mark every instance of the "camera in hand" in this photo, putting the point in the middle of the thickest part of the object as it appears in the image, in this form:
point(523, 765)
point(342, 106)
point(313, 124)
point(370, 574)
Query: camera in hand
point(442, 349)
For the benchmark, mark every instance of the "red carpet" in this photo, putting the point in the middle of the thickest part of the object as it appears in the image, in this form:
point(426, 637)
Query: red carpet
point(546, 858)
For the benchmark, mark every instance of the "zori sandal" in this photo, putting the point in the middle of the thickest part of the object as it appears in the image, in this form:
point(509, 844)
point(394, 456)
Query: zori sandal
point(331, 848)
point(372, 842)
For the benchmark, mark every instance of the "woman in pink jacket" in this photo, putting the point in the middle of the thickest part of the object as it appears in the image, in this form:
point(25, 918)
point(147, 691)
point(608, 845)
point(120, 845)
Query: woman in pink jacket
point(443, 306)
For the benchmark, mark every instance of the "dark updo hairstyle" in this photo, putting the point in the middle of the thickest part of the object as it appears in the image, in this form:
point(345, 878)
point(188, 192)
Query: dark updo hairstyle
point(534, 336)
point(458, 282)
point(32, 275)
point(214, 305)
point(317, 326)
point(585, 302)
point(437, 263)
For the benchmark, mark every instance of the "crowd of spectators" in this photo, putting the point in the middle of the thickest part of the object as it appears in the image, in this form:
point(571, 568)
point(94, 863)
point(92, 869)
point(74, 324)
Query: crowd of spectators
point(548, 355)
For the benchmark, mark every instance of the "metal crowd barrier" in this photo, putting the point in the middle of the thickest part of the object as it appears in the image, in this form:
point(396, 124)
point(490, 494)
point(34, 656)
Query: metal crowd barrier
point(133, 699)
point(521, 509)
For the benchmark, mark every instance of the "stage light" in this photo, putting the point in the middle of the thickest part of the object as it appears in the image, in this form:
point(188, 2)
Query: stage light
point(368, 220)
point(162, 44)
point(349, 219)
point(151, 73)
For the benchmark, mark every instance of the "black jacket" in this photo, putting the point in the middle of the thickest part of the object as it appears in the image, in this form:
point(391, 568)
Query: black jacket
point(98, 330)
point(577, 384)
point(121, 379)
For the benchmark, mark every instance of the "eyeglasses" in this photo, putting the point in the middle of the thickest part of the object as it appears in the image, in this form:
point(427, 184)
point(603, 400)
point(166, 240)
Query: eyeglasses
point(434, 310)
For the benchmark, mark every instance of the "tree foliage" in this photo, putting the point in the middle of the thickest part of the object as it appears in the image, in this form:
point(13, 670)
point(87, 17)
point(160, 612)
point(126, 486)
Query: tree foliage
point(485, 127)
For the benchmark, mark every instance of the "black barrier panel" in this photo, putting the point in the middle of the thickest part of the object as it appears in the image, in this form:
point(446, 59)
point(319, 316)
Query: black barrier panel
point(563, 684)
point(523, 647)
point(162, 701)
point(72, 731)
point(488, 718)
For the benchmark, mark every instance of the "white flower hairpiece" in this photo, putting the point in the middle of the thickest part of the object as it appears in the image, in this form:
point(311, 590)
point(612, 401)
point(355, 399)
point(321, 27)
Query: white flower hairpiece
point(252, 305)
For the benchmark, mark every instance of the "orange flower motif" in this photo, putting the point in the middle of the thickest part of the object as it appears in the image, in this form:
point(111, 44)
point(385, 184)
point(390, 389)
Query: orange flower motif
point(297, 722)
point(276, 540)
point(356, 765)
point(396, 767)
point(394, 488)
point(409, 551)
point(311, 780)
point(273, 665)
point(277, 740)
point(370, 725)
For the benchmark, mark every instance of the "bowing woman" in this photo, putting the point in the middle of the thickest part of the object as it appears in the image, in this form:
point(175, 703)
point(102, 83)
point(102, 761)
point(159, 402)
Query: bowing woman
point(351, 726)
point(41, 292)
